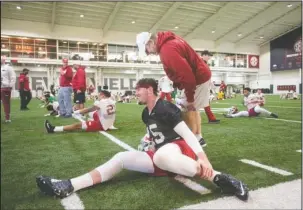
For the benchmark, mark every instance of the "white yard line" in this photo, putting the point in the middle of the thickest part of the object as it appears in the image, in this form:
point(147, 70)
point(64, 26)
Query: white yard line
point(266, 167)
point(280, 196)
point(72, 202)
point(299, 150)
point(295, 121)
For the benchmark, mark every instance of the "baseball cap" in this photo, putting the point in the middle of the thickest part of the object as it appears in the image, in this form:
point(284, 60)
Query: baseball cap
point(141, 40)
point(206, 52)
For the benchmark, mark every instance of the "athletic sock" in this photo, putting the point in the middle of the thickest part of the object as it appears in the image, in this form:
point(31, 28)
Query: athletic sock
point(82, 181)
point(58, 129)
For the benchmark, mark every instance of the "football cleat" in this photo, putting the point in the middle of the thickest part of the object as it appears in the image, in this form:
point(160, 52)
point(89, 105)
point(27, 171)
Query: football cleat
point(54, 187)
point(49, 128)
point(230, 185)
point(214, 121)
point(274, 115)
point(202, 142)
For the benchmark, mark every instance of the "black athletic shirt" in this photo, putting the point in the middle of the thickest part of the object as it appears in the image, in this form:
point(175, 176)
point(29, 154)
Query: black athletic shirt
point(161, 121)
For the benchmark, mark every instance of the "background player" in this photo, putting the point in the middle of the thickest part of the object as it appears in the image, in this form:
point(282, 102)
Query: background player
point(252, 102)
point(176, 150)
point(260, 96)
point(166, 88)
point(8, 79)
point(103, 119)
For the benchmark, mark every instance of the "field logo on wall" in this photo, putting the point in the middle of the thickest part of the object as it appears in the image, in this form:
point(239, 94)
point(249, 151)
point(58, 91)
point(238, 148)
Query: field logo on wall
point(253, 61)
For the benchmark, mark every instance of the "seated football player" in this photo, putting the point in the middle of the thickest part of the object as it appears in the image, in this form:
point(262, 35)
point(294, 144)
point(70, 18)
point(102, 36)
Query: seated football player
point(53, 109)
point(170, 135)
point(260, 96)
point(252, 102)
point(46, 99)
point(103, 119)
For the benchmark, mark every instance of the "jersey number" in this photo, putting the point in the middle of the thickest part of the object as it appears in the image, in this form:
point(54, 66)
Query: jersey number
point(158, 136)
point(110, 109)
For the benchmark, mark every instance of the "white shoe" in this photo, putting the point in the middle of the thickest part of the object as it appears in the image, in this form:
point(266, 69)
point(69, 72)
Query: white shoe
point(113, 127)
point(8, 121)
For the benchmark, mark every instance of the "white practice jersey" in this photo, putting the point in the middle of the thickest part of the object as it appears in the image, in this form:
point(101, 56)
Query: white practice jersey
point(107, 112)
point(8, 76)
point(56, 106)
point(248, 101)
point(260, 96)
point(165, 85)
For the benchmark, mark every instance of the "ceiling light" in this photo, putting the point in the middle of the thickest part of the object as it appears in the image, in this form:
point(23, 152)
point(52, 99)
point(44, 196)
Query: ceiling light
point(95, 44)
point(79, 43)
point(64, 42)
point(239, 34)
point(176, 27)
point(81, 16)
point(40, 39)
point(133, 22)
point(289, 5)
point(18, 7)
point(261, 37)
point(100, 44)
point(213, 32)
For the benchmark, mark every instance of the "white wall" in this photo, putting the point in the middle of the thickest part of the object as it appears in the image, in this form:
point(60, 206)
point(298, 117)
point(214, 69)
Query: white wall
point(43, 30)
point(266, 77)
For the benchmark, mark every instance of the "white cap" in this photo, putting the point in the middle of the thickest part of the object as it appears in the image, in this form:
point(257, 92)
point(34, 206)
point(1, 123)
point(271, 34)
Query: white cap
point(141, 41)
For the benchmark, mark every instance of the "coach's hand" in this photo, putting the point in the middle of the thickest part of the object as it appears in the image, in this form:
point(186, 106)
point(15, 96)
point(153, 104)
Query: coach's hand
point(191, 106)
point(207, 169)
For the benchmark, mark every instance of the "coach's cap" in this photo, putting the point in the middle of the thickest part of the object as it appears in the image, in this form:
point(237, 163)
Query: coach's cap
point(25, 69)
point(65, 60)
point(141, 41)
point(206, 52)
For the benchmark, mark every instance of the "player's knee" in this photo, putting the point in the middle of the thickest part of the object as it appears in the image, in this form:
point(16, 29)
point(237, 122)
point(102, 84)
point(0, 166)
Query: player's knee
point(257, 109)
point(83, 126)
point(160, 158)
point(120, 158)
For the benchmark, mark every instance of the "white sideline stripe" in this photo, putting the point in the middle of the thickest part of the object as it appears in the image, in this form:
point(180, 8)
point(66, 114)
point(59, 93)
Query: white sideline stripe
point(117, 141)
point(72, 202)
point(295, 121)
point(285, 195)
point(187, 182)
point(299, 150)
point(266, 167)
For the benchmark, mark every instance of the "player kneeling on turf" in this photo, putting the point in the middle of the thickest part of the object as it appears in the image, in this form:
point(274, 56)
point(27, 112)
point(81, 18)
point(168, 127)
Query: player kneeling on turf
point(176, 151)
point(103, 118)
point(252, 102)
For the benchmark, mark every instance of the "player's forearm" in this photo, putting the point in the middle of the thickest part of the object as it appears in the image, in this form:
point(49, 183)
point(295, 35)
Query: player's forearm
point(182, 130)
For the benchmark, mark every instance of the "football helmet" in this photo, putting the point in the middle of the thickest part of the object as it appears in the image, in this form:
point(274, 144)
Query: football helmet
point(232, 110)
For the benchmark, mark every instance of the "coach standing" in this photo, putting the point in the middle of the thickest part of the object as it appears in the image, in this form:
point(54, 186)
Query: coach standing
point(25, 91)
point(211, 117)
point(79, 86)
point(65, 91)
point(8, 79)
point(185, 68)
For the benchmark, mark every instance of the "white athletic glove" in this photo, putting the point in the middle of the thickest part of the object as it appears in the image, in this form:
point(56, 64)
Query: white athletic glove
point(146, 144)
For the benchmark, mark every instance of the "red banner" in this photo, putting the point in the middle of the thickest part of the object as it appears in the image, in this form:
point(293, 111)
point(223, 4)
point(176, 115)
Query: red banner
point(253, 61)
point(286, 87)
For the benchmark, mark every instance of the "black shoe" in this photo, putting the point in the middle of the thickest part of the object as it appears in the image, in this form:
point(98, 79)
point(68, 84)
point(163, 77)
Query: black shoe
point(214, 121)
point(202, 142)
point(274, 115)
point(231, 185)
point(49, 128)
point(54, 187)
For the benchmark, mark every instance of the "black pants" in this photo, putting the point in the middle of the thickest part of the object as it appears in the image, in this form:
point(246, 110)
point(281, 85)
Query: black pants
point(26, 97)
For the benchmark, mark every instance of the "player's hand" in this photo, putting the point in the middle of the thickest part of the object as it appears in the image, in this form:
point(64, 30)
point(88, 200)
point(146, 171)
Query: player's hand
point(207, 169)
point(191, 106)
point(78, 91)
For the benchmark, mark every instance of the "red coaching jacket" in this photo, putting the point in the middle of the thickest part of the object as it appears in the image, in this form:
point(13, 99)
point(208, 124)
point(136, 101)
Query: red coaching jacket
point(79, 79)
point(66, 76)
point(24, 79)
point(181, 63)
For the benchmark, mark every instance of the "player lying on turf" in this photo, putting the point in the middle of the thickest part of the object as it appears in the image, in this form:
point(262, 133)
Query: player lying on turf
point(176, 150)
point(53, 109)
point(103, 117)
point(252, 102)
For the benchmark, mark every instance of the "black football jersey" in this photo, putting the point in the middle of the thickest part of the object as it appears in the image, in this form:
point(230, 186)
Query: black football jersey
point(161, 121)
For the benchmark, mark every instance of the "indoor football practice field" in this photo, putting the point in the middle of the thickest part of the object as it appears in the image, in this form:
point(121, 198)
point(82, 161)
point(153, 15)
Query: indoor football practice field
point(234, 146)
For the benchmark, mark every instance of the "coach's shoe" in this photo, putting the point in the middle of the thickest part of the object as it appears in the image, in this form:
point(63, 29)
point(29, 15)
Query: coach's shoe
point(214, 121)
point(231, 185)
point(202, 142)
point(274, 115)
point(8, 121)
point(49, 128)
point(54, 187)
